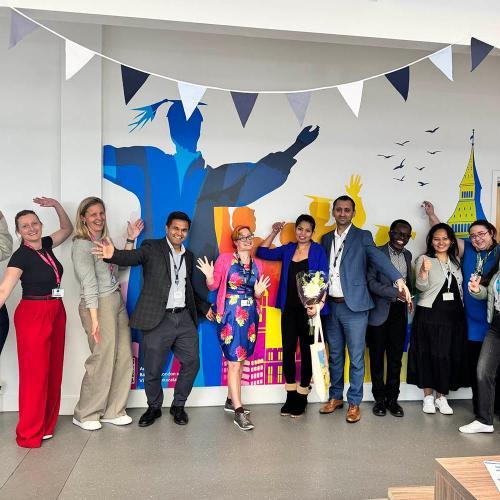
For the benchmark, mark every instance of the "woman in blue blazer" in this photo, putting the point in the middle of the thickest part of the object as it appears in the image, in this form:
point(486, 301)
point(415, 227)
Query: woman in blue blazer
point(305, 255)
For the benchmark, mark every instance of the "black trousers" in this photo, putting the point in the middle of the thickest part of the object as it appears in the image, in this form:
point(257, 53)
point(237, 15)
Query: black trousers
point(295, 326)
point(389, 339)
point(489, 361)
point(4, 326)
point(473, 352)
point(176, 333)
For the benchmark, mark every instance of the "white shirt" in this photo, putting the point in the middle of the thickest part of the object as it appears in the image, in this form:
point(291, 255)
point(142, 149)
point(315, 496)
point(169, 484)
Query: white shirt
point(177, 293)
point(336, 253)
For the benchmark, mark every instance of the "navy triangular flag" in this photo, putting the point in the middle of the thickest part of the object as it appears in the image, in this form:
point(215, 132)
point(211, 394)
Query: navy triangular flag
point(400, 80)
point(244, 103)
point(478, 52)
point(132, 80)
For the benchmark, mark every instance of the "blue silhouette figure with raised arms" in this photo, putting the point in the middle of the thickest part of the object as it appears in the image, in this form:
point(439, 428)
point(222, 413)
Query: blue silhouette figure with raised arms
point(183, 181)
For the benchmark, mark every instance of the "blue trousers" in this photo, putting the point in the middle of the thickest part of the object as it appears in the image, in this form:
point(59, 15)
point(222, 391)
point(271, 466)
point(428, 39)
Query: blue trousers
point(346, 327)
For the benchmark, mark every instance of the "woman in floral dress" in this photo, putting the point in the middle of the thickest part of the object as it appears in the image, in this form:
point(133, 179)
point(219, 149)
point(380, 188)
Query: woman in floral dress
point(240, 283)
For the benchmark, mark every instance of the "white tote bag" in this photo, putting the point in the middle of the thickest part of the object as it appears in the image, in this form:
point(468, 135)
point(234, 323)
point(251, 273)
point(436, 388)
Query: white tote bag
point(319, 358)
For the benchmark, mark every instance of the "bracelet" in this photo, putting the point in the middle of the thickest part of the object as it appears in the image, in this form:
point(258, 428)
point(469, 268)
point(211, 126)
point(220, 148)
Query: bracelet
point(130, 241)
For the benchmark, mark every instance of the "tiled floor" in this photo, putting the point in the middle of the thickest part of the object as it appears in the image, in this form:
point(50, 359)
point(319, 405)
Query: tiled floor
point(316, 456)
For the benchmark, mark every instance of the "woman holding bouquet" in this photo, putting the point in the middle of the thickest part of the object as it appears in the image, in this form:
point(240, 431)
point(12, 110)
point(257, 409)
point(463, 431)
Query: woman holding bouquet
point(240, 283)
point(303, 256)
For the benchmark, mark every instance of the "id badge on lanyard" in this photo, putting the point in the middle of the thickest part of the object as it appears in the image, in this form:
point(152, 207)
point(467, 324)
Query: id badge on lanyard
point(447, 296)
point(57, 292)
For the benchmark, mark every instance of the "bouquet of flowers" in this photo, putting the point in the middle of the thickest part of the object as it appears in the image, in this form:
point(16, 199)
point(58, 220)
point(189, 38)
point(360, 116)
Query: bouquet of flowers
point(312, 286)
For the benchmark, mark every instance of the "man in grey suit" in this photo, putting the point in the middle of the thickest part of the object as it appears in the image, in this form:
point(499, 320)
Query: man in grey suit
point(349, 251)
point(166, 312)
point(387, 322)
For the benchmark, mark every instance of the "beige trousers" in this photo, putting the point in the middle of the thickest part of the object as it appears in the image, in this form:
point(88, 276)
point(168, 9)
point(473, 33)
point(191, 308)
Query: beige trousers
point(108, 369)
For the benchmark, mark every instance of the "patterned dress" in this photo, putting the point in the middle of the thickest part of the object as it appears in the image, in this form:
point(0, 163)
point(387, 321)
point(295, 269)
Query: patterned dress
point(237, 327)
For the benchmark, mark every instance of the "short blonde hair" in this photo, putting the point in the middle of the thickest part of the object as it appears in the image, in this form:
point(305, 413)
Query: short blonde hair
point(81, 231)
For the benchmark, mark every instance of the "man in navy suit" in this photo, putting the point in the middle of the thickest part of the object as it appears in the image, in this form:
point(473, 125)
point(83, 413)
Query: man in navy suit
point(349, 251)
point(387, 322)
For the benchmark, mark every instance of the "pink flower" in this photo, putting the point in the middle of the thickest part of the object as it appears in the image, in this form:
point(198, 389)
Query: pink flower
point(241, 353)
point(251, 333)
point(235, 280)
point(226, 333)
point(241, 315)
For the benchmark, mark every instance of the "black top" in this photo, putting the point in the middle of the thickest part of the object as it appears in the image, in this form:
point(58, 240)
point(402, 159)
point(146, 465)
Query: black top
point(292, 295)
point(38, 277)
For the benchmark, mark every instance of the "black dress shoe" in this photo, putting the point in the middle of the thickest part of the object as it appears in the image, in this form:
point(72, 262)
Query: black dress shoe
point(394, 408)
point(180, 416)
point(149, 416)
point(379, 409)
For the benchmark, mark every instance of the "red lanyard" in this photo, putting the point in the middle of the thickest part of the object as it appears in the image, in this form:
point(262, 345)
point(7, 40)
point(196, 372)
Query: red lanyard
point(48, 260)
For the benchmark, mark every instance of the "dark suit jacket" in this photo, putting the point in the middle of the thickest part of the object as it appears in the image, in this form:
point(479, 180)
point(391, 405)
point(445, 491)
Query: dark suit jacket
point(383, 290)
point(359, 251)
point(154, 257)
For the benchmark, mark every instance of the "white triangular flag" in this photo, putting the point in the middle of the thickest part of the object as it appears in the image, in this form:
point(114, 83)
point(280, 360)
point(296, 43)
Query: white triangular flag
point(20, 26)
point(76, 58)
point(352, 93)
point(190, 96)
point(299, 101)
point(443, 60)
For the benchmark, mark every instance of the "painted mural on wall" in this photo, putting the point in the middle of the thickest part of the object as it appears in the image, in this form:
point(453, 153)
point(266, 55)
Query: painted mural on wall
point(217, 200)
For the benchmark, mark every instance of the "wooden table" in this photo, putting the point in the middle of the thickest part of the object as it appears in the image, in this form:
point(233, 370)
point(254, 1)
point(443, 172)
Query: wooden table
point(465, 478)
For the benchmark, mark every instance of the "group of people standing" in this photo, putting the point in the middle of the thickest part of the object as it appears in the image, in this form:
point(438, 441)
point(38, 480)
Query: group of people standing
point(367, 303)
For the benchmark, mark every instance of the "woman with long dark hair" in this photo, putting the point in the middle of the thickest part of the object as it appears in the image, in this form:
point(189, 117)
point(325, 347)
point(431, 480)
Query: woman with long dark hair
point(40, 321)
point(436, 358)
point(479, 255)
point(302, 256)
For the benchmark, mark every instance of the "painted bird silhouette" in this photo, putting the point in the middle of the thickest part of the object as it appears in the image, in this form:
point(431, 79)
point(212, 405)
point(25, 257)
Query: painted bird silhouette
point(400, 180)
point(423, 183)
point(386, 156)
point(420, 168)
point(431, 131)
point(402, 143)
point(434, 152)
point(401, 165)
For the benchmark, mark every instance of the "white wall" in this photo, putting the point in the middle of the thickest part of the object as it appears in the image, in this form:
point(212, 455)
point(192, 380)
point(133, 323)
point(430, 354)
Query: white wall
point(50, 126)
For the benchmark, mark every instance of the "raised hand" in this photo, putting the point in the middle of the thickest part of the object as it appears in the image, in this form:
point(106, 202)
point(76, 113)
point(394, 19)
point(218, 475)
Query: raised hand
point(354, 186)
point(261, 285)
point(46, 202)
point(278, 226)
point(206, 267)
point(134, 229)
point(474, 283)
point(103, 249)
point(426, 265)
point(428, 207)
point(308, 134)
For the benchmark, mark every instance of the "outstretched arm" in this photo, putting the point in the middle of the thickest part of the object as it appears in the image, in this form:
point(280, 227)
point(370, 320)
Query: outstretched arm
point(434, 219)
point(65, 226)
point(307, 136)
point(10, 279)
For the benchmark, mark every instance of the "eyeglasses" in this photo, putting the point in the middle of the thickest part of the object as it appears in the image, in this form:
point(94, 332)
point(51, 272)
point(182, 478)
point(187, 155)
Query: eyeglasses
point(399, 234)
point(248, 238)
point(475, 236)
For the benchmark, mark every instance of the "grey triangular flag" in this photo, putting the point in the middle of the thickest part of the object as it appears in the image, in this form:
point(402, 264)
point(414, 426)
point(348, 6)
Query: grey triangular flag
point(20, 26)
point(244, 103)
point(299, 102)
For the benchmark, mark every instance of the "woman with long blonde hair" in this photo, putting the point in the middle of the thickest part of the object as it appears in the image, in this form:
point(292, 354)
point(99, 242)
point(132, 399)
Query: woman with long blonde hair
point(108, 369)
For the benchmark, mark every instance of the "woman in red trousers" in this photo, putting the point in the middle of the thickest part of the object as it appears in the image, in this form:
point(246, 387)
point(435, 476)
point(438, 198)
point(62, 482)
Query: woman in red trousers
point(40, 321)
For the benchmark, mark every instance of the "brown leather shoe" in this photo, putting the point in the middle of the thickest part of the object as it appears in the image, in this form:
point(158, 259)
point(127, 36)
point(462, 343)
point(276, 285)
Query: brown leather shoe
point(353, 414)
point(331, 406)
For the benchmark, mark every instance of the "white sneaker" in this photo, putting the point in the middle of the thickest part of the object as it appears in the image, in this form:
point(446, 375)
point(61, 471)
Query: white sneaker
point(89, 425)
point(123, 420)
point(48, 436)
point(475, 427)
point(428, 406)
point(443, 406)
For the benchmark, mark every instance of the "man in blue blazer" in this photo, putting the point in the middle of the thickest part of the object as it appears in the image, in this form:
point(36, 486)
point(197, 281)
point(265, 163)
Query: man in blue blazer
point(349, 251)
point(388, 321)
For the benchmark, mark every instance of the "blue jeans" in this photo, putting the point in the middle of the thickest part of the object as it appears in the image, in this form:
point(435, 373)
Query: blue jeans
point(346, 327)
